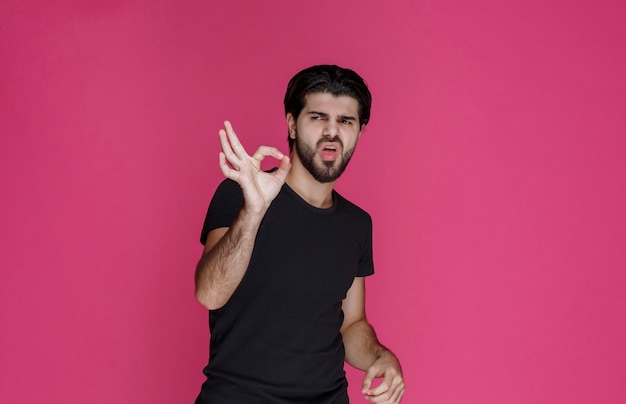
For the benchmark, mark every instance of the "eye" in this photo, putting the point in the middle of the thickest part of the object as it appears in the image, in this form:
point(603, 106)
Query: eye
point(346, 121)
point(316, 117)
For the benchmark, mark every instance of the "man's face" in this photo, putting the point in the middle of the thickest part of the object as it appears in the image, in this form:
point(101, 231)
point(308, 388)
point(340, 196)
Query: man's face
point(326, 133)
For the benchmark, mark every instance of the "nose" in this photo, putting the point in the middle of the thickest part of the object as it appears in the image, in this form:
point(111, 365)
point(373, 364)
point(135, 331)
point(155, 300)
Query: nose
point(331, 129)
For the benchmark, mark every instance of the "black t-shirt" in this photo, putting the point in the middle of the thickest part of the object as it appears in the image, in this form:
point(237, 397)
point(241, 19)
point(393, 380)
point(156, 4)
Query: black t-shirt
point(277, 339)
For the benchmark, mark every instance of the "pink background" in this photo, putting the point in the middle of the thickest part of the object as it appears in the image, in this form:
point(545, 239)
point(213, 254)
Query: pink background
point(493, 166)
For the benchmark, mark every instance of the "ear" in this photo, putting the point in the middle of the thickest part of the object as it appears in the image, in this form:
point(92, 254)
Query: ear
point(291, 125)
point(360, 132)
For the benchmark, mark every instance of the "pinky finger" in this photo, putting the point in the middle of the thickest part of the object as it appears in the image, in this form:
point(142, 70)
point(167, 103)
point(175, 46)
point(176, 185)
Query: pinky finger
point(397, 395)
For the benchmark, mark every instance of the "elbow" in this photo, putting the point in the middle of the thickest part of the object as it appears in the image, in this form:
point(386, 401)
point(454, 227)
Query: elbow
point(207, 299)
point(202, 298)
point(351, 324)
point(207, 293)
point(203, 291)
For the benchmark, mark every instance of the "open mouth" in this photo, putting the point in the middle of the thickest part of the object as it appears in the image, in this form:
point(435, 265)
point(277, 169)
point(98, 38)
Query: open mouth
point(329, 152)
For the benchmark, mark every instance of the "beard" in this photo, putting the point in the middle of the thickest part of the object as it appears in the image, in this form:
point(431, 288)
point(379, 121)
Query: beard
point(327, 171)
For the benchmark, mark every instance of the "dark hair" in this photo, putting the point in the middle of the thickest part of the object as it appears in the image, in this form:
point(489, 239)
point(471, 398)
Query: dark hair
point(331, 79)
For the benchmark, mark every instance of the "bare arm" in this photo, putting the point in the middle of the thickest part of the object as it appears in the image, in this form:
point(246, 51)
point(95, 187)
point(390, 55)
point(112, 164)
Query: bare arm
point(225, 259)
point(227, 251)
point(365, 352)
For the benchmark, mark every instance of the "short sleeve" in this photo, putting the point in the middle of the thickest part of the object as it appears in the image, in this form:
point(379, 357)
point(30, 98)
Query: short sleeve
point(224, 207)
point(366, 261)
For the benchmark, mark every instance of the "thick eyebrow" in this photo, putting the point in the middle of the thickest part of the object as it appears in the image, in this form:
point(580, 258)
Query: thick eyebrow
point(323, 114)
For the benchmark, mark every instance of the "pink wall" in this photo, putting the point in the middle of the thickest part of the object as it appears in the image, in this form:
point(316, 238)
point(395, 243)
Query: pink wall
point(493, 166)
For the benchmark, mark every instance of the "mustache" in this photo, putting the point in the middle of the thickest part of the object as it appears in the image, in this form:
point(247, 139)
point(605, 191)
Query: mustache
point(326, 139)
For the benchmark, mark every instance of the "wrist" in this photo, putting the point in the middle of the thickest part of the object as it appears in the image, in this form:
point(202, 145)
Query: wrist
point(253, 215)
point(383, 352)
point(386, 355)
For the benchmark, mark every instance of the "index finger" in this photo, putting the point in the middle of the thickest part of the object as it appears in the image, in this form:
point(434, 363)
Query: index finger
point(265, 151)
point(367, 380)
point(383, 387)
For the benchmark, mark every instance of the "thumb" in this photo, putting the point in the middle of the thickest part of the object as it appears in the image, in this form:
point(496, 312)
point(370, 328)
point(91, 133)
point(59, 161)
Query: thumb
point(370, 375)
point(285, 164)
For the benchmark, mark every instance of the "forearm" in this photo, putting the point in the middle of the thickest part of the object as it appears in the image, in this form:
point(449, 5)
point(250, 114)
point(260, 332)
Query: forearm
point(221, 269)
point(361, 345)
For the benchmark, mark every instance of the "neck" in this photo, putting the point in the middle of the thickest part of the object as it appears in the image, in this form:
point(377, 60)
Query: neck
point(316, 193)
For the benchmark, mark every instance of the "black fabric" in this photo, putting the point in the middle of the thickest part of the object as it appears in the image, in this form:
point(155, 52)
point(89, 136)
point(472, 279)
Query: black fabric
point(277, 339)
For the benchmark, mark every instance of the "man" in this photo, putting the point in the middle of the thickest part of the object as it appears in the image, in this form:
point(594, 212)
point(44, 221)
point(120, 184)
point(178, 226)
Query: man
point(285, 256)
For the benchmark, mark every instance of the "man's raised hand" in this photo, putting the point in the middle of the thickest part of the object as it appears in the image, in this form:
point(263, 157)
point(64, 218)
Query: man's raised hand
point(259, 188)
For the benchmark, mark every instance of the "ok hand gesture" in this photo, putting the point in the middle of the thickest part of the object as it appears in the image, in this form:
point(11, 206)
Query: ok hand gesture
point(259, 188)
